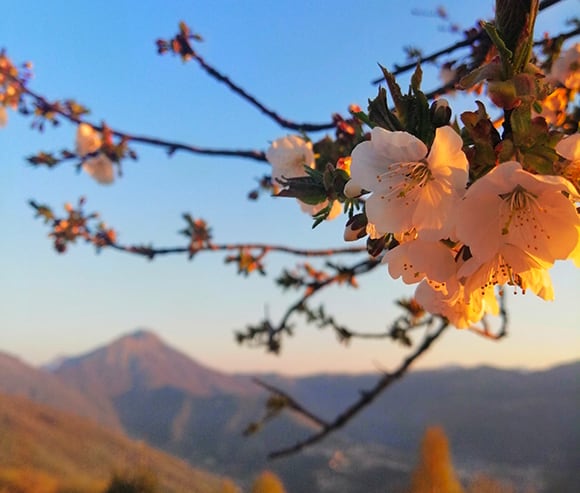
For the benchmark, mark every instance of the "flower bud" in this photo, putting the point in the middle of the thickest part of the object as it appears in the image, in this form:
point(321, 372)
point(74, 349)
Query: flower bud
point(440, 113)
point(352, 190)
point(355, 227)
point(503, 94)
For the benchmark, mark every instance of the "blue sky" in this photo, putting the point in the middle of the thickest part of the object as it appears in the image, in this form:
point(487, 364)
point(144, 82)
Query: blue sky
point(306, 60)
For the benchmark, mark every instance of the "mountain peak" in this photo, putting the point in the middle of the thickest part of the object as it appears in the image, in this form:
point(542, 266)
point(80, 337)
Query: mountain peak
point(140, 360)
point(143, 333)
point(140, 339)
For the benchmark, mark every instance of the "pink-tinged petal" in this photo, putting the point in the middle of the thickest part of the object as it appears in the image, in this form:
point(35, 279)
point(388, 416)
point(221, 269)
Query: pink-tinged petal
point(100, 168)
point(540, 184)
point(521, 261)
point(397, 147)
point(569, 147)
point(352, 189)
point(455, 308)
point(433, 216)
point(546, 227)
point(366, 165)
point(564, 68)
point(372, 158)
point(391, 213)
point(88, 140)
point(575, 254)
point(477, 222)
point(288, 157)
point(446, 158)
point(417, 259)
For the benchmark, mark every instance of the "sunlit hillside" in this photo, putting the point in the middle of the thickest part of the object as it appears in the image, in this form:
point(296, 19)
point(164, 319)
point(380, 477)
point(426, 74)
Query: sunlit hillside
point(39, 444)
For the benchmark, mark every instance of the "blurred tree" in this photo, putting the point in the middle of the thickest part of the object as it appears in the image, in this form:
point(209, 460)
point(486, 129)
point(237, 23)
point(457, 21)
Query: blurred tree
point(134, 482)
point(268, 482)
point(435, 473)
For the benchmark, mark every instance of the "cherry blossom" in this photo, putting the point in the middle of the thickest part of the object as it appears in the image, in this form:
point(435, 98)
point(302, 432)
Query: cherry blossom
point(569, 148)
point(512, 207)
point(89, 141)
point(412, 188)
point(462, 309)
point(510, 266)
point(288, 157)
point(416, 259)
point(565, 68)
point(554, 107)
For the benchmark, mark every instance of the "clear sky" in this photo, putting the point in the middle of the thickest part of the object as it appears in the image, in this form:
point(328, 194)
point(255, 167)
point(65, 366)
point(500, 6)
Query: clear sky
point(304, 59)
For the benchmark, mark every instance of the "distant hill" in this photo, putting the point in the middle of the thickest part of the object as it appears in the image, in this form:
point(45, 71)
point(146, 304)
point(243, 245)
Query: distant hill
point(520, 425)
point(165, 398)
point(83, 455)
point(141, 361)
point(19, 378)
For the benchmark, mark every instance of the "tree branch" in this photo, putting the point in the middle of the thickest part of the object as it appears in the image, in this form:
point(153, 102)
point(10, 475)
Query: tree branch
point(471, 37)
point(170, 146)
point(366, 398)
point(301, 252)
point(485, 330)
point(291, 403)
point(283, 122)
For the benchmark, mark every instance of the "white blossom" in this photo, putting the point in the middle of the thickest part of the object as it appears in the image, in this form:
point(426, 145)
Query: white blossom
point(99, 167)
point(411, 187)
point(512, 207)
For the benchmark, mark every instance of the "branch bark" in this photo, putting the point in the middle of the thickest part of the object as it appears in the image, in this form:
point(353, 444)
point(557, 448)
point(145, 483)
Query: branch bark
point(366, 398)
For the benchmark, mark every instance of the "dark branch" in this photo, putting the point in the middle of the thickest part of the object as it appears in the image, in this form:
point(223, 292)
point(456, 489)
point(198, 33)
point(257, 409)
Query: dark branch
point(283, 122)
point(302, 252)
point(471, 37)
point(170, 146)
point(366, 398)
point(357, 269)
point(291, 403)
point(485, 330)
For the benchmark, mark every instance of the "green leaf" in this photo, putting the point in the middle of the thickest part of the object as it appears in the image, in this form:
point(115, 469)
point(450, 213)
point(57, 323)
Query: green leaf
point(380, 115)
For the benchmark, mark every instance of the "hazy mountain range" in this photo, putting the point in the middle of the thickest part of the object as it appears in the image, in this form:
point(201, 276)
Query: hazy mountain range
point(518, 425)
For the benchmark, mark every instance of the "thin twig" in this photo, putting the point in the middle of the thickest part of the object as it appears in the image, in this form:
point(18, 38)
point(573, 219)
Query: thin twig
point(291, 403)
point(283, 122)
point(170, 146)
point(357, 269)
point(468, 41)
point(302, 252)
point(366, 397)
point(485, 331)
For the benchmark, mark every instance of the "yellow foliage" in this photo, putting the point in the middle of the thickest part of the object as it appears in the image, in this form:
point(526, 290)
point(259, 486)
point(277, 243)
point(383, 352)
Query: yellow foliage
point(268, 482)
point(435, 473)
point(27, 480)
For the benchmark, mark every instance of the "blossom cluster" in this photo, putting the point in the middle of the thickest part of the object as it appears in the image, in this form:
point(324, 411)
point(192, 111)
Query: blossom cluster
point(459, 242)
point(463, 216)
point(564, 77)
point(95, 162)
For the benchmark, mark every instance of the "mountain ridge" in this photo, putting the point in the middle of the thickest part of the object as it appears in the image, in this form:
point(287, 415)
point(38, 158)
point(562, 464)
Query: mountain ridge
point(142, 359)
point(509, 420)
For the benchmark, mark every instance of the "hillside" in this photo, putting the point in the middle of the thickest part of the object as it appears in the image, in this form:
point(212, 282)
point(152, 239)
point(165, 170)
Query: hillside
point(518, 425)
point(19, 378)
point(142, 361)
point(164, 397)
point(81, 454)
